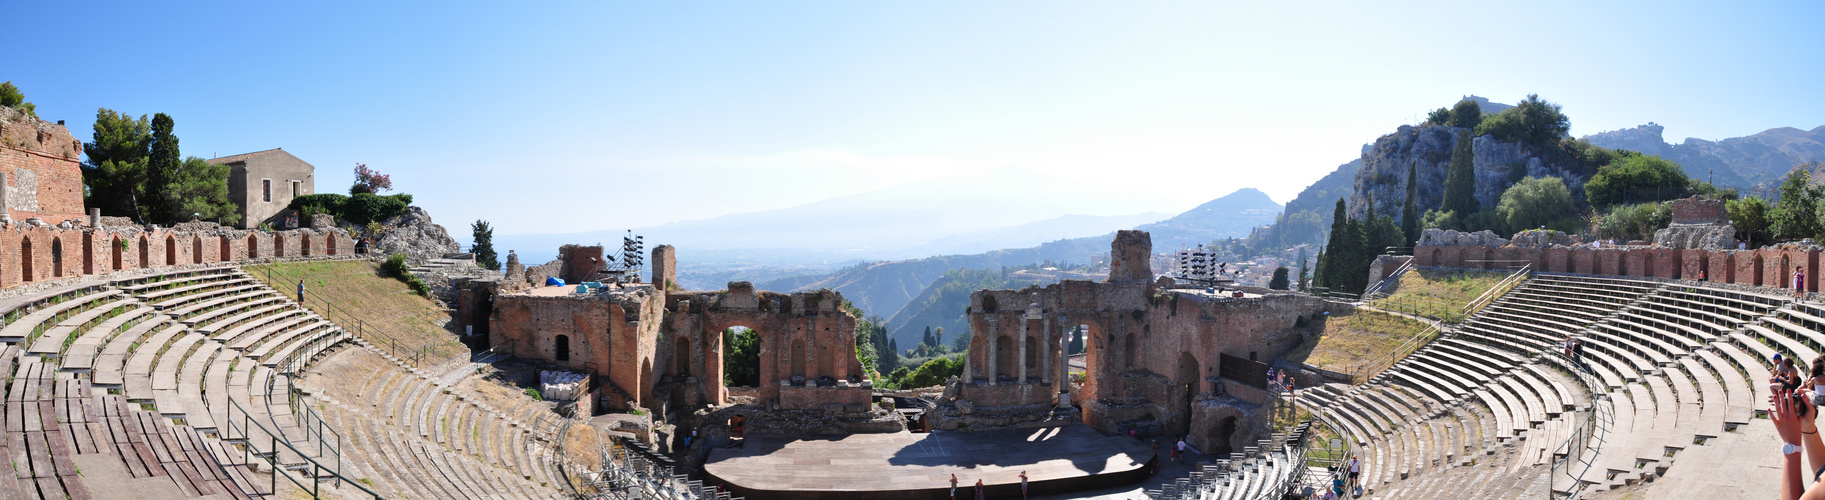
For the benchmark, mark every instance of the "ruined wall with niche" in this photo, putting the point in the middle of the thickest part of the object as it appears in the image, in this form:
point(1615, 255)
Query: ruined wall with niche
point(39, 162)
point(1153, 352)
point(39, 253)
point(1771, 266)
point(665, 350)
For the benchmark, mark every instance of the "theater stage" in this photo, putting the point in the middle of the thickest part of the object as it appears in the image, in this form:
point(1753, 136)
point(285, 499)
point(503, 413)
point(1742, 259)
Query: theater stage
point(918, 466)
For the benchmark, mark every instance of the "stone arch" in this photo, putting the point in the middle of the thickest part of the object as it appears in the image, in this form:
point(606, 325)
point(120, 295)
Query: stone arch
point(681, 356)
point(1463, 257)
point(988, 303)
point(1758, 268)
point(88, 254)
point(145, 252)
point(114, 252)
point(26, 266)
point(223, 252)
point(1438, 257)
point(561, 347)
point(1221, 435)
point(56, 257)
point(1622, 263)
point(170, 250)
point(1128, 351)
point(304, 244)
point(253, 246)
point(278, 244)
point(1785, 278)
point(1186, 386)
point(329, 244)
point(196, 249)
point(1004, 357)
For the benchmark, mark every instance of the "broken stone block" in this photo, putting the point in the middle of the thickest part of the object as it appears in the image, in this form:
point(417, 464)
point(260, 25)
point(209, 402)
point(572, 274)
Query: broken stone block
point(965, 407)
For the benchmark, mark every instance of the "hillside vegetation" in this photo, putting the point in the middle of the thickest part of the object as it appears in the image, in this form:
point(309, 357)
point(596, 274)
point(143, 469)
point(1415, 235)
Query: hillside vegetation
point(1357, 342)
point(1436, 293)
point(363, 299)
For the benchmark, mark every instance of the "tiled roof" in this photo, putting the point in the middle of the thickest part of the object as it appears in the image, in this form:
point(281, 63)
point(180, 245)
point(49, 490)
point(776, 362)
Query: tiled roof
point(240, 157)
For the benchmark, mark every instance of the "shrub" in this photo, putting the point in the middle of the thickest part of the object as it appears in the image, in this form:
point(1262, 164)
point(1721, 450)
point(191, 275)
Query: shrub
point(1636, 179)
point(359, 209)
point(395, 266)
point(1537, 202)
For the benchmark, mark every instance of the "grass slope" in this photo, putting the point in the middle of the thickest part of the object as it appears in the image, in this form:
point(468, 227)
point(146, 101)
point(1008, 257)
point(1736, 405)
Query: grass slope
point(380, 305)
point(1356, 342)
point(1438, 294)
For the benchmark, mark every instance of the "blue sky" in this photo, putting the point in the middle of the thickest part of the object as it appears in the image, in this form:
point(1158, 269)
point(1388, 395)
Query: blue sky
point(549, 118)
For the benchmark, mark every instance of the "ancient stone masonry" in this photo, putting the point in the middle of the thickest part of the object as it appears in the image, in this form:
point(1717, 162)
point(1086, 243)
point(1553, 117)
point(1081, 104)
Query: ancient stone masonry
point(1698, 223)
point(37, 253)
point(1771, 266)
point(39, 168)
point(1154, 355)
point(662, 350)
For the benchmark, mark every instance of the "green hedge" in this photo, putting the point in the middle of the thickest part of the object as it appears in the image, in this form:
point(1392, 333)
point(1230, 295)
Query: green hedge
point(358, 209)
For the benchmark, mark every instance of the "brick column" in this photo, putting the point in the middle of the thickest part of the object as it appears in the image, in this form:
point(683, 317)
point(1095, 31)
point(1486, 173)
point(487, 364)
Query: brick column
point(1045, 334)
point(1021, 359)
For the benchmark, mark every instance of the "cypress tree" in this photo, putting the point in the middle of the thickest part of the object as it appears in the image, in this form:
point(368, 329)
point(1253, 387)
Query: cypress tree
point(484, 247)
point(161, 171)
point(1409, 210)
point(1460, 178)
point(1338, 251)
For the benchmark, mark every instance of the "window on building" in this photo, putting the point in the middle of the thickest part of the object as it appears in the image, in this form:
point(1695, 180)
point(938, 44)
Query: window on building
point(266, 190)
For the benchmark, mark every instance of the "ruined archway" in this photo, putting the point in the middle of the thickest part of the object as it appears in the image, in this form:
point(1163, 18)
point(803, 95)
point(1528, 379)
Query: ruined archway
point(88, 255)
point(145, 252)
point(1757, 264)
point(1220, 437)
point(114, 250)
point(223, 252)
point(253, 247)
point(1622, 263)
point(1186, 384)
point(170, 250)
point(196, 249)
point(25, 260)
point(741, 348)
point(56, 257)
point(561, 348)
point(681, 357)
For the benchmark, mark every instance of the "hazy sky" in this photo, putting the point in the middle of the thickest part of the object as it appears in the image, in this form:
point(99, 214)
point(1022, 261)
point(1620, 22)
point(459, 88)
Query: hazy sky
point(559, 118)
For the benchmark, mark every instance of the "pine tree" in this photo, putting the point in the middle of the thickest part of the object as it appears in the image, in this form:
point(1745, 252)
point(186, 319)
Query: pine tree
point(484, 246)
point(162, 167)
point(115, 174)
point(1460, 178)
point(1409, 210)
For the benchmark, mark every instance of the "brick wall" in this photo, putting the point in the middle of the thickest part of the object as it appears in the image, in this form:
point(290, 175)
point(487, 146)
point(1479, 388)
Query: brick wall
point(1769, 267)
point(43, 176)
point(37, 254)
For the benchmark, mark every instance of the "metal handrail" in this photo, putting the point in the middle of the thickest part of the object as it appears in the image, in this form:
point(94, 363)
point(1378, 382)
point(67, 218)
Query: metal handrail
point(1501, 288)
point(248, 423)
point(1413, 344)
point(1376, 289)
point(1572, 450)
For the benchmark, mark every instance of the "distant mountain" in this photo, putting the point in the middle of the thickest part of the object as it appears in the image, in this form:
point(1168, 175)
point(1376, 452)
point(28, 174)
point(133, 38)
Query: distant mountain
point(1744, 162)
point(1233, 215)
point(1030, 234)
point(885, 287)
point(913, 219)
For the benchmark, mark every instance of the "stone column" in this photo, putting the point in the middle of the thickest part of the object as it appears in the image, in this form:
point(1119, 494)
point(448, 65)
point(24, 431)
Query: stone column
point(95, 220)
point(1045, 339)
point(990, 355)
point(1064, 363)
point(6, 201)
point(1021, 360)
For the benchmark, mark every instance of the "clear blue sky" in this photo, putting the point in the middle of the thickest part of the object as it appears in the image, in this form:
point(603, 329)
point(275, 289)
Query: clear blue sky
point(559, 118)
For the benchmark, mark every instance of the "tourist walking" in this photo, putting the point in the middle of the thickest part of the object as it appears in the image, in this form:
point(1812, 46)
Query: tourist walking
point(300, 291)
point(981, 493)
point(1799, 284)
point(1355, 472)
point(1179, 450)
point(953, 487)
point(1023, 484)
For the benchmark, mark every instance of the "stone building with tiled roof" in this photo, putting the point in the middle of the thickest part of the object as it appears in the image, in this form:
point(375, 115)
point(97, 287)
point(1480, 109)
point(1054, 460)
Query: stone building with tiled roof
point(263, 183)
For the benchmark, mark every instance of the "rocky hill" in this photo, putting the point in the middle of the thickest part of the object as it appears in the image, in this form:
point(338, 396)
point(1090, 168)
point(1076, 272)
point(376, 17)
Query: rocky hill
point(1499, 164)
point(1752, 161)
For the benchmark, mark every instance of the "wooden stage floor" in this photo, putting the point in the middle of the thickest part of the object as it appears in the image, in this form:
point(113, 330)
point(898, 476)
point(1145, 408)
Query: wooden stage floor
point(920, 465)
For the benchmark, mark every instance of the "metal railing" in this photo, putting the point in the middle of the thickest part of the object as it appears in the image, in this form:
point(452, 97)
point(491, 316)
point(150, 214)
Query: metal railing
point(627, 472)
point(1280, 460)
point(1571, 453)
point(241, 430)
point(1400, 352)
point(1377, 290)
point(357, 326)
point(1501, 288)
